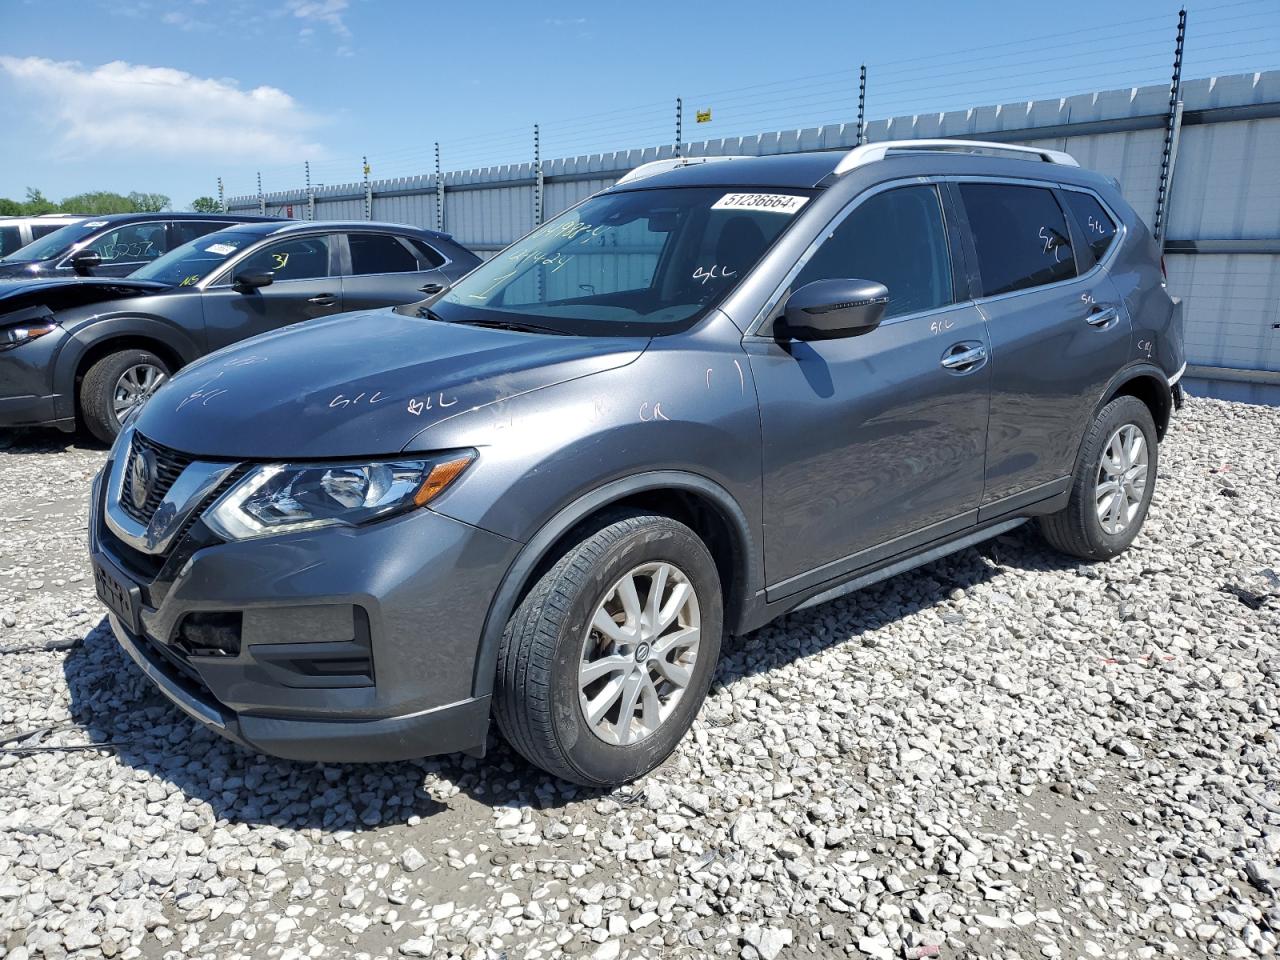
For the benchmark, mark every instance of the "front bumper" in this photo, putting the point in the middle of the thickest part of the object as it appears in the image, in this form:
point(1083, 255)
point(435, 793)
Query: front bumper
point(27, 397)
point(410, 594)
point(33, 410)
point(454, 728)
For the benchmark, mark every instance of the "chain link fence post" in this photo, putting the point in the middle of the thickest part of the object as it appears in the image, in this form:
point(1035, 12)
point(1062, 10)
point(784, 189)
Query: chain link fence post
point(862, 105)
point(368, 189)
point(439, 192)
point(537, 178)
point(679, 124)
point(1172, 131)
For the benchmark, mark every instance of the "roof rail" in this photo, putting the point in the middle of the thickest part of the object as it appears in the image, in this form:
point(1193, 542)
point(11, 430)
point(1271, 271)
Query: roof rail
point(671, 163)
point(871, 152)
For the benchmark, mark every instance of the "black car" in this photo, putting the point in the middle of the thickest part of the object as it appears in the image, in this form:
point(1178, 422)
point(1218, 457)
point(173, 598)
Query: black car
point(114, 245)
point(93, 349)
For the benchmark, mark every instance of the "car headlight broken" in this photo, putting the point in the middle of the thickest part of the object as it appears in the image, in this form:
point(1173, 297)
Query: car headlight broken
point(290, 497)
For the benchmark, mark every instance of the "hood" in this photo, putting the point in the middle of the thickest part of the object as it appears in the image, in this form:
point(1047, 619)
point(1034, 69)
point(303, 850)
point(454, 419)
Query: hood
point(48, 295)
point(359, 384)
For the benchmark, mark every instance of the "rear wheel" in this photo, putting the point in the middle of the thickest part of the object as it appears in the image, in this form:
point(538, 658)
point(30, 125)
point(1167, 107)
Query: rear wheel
point(116, 386)
point(1113, 484)
point(604, 665)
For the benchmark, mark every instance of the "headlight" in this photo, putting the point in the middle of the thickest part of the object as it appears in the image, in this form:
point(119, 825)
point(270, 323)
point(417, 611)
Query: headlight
point(17, 335)
point(288, 497)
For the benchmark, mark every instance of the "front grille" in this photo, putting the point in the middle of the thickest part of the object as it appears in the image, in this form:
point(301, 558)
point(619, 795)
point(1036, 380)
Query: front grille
point(169, 465)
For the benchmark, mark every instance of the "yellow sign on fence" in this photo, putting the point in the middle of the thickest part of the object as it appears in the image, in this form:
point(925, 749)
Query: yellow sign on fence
point(704, 116)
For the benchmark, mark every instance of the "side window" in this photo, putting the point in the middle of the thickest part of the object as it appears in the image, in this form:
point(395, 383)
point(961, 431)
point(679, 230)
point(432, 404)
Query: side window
point(184, 231)
point(299, 258)
point(10, 240)
point(896, 238)
point(131, 243)
point(427, 254)
point(1095, 223)
point(38, 232)
point(379, 253)
point(1020, 234)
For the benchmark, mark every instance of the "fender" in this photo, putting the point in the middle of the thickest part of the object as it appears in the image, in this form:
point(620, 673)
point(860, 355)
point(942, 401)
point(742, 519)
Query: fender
point(94, 331)
point(535, 551)
point(1136, 369)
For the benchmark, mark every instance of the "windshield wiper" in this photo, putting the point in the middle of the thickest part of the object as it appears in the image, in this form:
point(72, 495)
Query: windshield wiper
point(510, 325)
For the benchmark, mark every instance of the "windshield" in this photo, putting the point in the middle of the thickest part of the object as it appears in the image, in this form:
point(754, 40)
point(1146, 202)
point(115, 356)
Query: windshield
point(182, 266)
point(56, 243)
point(642, 262)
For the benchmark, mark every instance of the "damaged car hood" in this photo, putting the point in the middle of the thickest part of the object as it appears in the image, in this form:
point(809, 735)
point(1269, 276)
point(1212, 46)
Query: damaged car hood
point(359, 384)
point(30, 298)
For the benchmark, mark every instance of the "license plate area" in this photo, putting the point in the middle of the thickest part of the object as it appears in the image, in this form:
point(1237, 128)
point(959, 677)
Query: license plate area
point(117, 593)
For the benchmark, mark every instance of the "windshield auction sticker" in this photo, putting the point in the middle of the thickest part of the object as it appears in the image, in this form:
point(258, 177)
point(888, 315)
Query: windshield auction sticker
point(767, 202)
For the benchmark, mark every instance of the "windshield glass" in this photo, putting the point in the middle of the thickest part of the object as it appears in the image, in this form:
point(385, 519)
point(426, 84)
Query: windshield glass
point(57, 243)
point(182, 266)
point(643, 262)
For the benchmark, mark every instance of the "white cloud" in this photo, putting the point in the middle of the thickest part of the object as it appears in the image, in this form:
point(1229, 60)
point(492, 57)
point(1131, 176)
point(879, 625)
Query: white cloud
point(328, 12)
point(161, 112)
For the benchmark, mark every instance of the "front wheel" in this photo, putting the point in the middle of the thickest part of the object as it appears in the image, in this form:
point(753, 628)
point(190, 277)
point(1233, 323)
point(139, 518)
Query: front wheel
point(604, 665)
point(115, 387)
point(1113, 483)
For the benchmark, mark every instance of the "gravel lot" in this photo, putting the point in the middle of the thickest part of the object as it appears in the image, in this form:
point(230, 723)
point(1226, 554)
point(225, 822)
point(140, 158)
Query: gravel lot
point(1004, 754)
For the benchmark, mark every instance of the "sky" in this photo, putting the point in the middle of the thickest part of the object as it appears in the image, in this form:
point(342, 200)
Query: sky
point(166, 96)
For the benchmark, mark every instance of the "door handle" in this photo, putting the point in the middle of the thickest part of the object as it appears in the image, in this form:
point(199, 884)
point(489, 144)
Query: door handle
point(431, 287)
point(1103, 317)
point(323, 299)
point(962, 357)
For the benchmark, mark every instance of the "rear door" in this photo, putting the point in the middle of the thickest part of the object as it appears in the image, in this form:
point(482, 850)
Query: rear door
point(305, 285)
point(874, 444)
point(1058, 334)
point(385, 269)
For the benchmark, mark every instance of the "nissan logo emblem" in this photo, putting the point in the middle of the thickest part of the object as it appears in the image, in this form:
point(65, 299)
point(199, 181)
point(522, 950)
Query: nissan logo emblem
point(142, 475)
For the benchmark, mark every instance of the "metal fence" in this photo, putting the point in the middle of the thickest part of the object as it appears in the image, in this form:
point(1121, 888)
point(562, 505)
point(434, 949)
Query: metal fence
point(1198, 159)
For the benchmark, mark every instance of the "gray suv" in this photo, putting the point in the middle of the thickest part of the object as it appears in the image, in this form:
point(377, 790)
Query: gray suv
point(709, 395)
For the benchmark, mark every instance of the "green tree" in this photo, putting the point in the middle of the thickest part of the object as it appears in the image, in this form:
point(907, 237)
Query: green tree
point(97, 202)
point(92, 203)
point(37, 202)
point(205, 205)
point(149, 202)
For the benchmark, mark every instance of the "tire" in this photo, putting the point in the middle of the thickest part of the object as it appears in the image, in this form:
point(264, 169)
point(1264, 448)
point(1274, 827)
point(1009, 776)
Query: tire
point(538, 703)
point(98, 389)
point(1078, 529)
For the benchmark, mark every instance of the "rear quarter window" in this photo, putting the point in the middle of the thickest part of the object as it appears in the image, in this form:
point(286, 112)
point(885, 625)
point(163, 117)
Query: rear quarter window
point(1097, 226)
point(10, 240)
point(1020, 234)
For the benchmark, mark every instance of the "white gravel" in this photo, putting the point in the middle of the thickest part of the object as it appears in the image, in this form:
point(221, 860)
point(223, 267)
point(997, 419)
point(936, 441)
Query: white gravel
point(1004, 754)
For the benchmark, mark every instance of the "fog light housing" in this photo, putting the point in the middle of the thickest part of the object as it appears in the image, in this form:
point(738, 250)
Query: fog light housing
point(209, 634)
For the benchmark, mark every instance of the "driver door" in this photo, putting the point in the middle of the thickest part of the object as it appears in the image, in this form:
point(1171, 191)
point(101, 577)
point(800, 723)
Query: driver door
point(874, 444)
point(306, 284)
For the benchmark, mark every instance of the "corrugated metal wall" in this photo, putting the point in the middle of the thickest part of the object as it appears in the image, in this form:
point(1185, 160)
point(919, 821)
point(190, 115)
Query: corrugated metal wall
point(1226, 187)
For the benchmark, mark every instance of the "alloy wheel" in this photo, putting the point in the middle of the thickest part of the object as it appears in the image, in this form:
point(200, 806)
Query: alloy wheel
point(135, 387)
point(639, 653)
point(1122, 479)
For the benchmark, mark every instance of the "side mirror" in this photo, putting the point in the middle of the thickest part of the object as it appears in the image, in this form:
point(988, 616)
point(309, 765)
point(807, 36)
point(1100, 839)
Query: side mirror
point(84, 262)
point(827, 309)
point(253, 280)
